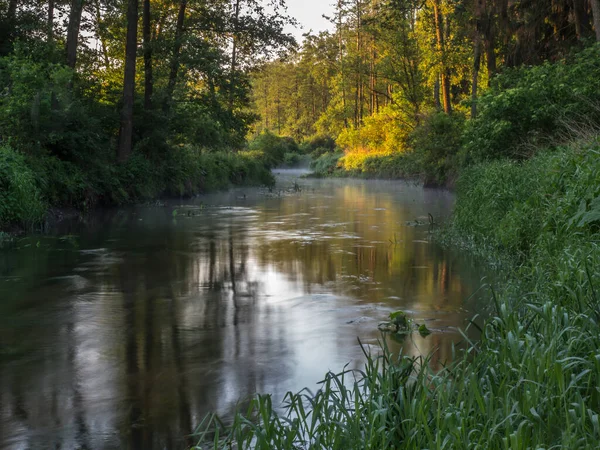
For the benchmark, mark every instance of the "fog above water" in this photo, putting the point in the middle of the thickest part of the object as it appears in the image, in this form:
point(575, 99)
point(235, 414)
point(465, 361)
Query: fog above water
point(124, 330)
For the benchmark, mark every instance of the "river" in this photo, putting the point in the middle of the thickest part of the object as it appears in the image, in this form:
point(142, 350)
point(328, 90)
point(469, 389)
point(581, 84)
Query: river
point(124, 329)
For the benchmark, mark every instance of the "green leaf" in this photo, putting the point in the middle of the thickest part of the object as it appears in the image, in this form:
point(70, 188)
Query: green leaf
point(424, 331)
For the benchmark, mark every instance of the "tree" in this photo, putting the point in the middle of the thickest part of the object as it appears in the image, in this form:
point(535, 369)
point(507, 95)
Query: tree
point(148, 77)
point(126, 130)
point(596, 14)
point(73, 32)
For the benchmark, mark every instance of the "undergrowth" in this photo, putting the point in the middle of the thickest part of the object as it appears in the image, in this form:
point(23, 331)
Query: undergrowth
point(29, 186)
point(533, 379)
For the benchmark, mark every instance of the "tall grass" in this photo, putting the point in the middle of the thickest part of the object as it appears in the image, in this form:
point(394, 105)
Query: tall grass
point(531, 382)
point(29, 186)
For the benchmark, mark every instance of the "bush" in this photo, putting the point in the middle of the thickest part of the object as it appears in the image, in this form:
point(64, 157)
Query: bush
point(274, 147)
point(20, 199)
point(327, 163)
point(528, 106)
point(512, 206)
point(435, 144)
point(318, 145)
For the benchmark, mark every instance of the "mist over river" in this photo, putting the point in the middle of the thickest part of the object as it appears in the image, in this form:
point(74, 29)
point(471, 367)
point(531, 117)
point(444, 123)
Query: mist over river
point(123, 330)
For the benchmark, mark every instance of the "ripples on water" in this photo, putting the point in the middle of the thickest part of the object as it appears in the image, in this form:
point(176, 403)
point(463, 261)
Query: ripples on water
point(125, 330)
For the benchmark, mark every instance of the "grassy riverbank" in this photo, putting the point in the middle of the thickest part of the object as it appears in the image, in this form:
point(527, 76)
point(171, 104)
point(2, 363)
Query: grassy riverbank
point(531, 382)
point(31, 186)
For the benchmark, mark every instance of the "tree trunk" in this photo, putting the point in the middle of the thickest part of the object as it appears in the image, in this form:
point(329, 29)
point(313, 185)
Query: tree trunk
point(176, 51)
point(442, 51)
point(100, 35)
point(476, 67)
point(11, 14)
point(148, 79)
point(234, 55)
point(490, 56)
point(436, 93)
point(596, 13)
point(73, 32)
point(7, 32)
point(479, 12)
point(341, 52)
point(358, 104)
point(50, 22)
point(581, 18)
point(126, 131)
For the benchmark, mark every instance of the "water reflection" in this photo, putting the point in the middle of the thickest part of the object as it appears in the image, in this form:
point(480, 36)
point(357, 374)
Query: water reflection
point(125, 330)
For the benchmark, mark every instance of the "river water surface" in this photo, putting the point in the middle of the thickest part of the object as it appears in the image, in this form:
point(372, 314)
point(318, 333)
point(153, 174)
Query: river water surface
point(126, 329)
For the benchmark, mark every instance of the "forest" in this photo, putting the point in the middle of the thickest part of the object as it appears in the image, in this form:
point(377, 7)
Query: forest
point(413, 88)
point(112, 102)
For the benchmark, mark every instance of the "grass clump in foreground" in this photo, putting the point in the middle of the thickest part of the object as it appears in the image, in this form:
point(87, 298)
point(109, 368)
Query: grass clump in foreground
point(532, 381)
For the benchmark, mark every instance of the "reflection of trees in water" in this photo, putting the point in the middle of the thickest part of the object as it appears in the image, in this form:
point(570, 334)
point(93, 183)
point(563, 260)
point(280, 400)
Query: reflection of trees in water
point(179, 317)
point(370, 267)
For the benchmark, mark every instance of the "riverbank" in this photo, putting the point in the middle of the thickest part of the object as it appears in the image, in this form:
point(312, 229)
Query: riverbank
point(525, 111)
point(34, 187)
point(531, 382)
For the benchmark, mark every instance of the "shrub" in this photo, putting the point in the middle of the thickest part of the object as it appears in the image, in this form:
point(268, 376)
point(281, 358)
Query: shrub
point(274, 147)
point(318, 145)
point(20, 199)
point(327, 163)
point(435, 144)
point(512, 205)
point(530, 105)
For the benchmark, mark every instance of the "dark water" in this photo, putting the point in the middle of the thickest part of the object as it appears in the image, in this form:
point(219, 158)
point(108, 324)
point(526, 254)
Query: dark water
point(125, 330)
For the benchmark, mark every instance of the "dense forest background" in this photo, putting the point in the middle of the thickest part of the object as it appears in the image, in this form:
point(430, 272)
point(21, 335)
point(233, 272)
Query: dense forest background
point(113, 101)
point(427, 86)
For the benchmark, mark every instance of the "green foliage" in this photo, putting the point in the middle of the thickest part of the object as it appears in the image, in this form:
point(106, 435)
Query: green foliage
point(530, 105)
point(43, 115)
point(274, 147)
point(326, 164)
point(318, 145)
point(20, 199)
point(435, 144)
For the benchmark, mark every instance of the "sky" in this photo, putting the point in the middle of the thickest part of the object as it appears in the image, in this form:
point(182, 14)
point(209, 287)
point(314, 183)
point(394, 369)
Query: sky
point(309, 14)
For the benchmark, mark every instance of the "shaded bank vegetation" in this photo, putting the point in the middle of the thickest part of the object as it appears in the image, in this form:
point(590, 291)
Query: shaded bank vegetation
point(114, 102)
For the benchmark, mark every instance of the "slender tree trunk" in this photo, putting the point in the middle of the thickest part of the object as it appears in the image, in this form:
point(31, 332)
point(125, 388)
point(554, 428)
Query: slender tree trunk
point(50, 22)
point(11, 14)
point(232, 76)
point(100, 35)
point(436, 93)
point(266, 105)
point(476, 67)
point(126, 131)
point(490, 56)
point(73, 32)
point(477, 44)
point(7, 33)
point(372, 82)
point(176, 51)
point(439, 31)
point(581, 18)
point(596, 13)
point(358, 103)
point(148, 79)
point(341, 52)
